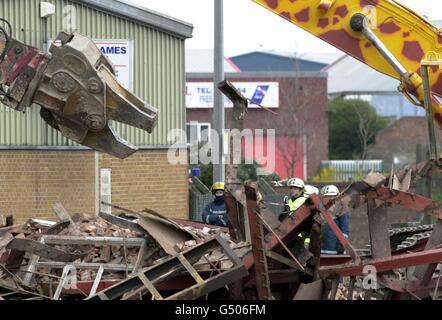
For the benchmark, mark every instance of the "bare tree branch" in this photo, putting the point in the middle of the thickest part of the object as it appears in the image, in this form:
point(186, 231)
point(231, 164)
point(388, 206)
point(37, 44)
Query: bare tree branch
point(367, 129)
point(294, 109)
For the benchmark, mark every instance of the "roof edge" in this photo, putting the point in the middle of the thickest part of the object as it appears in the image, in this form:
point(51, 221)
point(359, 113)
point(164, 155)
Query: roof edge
point(331, 65)
point(336, 94)
point(260, 74)
point(142, 15)
point(279, 55)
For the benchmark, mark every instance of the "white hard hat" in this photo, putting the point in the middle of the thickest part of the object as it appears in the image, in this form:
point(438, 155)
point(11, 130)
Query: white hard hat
point(330, 191)
point(296, 182)
point(309, 190)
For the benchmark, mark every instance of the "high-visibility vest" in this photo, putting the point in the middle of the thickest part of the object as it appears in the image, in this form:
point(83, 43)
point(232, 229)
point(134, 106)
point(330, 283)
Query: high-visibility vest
point(306, 240)
point(295, 204)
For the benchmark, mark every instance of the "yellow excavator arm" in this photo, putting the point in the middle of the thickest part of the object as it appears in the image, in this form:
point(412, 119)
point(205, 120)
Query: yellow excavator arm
point(384, 34)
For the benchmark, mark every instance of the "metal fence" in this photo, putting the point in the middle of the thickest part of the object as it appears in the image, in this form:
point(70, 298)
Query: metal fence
point(348, 170)
point(274, 202)
point(436, 187)
point(197, 203)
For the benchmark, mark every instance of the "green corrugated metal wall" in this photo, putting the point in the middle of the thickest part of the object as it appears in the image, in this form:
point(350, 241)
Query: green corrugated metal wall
point(158, 71)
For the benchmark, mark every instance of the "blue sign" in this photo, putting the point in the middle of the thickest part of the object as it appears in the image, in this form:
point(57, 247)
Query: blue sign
point(260, 94)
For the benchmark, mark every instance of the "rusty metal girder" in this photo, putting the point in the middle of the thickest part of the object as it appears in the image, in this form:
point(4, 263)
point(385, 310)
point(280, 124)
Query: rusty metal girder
point(375, 187)
point(42, 250)
point(235, 212)
point(424, 273)
point(406, 286)
point(147, 279)
point(235, 200)
point(420, 170)
point(287, 231)
point(262, 280)
point(384, 264)
point(312, 291)
point(335, 259)
point(378, 229)
point(407, 200)
point(328, 218)
point(284, 276)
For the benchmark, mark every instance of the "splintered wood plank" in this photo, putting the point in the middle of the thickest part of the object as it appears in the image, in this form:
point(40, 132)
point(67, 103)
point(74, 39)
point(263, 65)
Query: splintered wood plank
point(190, 269)
point(149, 285)
point(58, 227)
point(42, 250)
point(61, 212)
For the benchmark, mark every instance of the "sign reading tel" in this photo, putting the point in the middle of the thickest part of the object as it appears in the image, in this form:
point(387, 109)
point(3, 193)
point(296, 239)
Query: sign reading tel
point(200, 94)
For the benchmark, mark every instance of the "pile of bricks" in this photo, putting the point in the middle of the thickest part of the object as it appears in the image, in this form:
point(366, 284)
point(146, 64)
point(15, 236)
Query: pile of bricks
point(77, 235)
point(41, 254)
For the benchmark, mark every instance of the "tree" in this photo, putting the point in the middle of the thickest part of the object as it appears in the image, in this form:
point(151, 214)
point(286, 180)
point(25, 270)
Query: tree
point(295, 109)
point(353, 125)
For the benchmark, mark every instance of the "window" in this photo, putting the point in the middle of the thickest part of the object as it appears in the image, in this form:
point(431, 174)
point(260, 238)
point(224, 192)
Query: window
point(198, 131)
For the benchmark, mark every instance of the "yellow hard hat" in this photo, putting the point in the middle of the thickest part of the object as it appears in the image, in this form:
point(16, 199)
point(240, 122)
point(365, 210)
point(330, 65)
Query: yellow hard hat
point(218, 186)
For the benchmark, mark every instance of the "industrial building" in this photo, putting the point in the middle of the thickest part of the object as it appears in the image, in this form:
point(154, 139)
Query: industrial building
point(38, 166)
point(299, 100)
point(97, 220)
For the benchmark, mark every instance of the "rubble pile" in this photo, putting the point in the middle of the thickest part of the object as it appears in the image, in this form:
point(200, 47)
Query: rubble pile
point(131, 255)
point(37, 258)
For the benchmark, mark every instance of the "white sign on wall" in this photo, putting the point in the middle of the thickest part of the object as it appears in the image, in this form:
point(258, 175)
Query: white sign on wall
point(200, 94)
point(106, 189)
point(120, 53)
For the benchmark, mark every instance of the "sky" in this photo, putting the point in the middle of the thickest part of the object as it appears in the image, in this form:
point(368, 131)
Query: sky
point(249, 27)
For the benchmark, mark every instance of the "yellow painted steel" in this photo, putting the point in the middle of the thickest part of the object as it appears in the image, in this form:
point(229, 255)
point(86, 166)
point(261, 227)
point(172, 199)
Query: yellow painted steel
point(407, 35)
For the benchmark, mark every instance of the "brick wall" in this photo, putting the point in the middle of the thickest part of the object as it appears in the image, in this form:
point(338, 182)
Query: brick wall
point(306, 97)
point(32, 181)
point(147, 180)
point(400, 140)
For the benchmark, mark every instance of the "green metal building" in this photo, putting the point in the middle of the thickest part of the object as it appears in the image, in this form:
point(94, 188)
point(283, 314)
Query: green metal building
point(158, 63)
point(39, 167)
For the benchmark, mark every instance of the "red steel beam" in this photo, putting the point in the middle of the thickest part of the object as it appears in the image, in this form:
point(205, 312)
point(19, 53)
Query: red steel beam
point(287, 231)
point(334, 259)
point(177, 283)
point(326, 215)
point(407, 286)
point(407, 200)
point(260, 266)
point(385, 264)
point(269, 228)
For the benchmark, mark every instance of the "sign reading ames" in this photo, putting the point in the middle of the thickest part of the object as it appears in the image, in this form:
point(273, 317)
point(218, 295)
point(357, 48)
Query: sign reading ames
point(200, 94)
point(120, 53)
